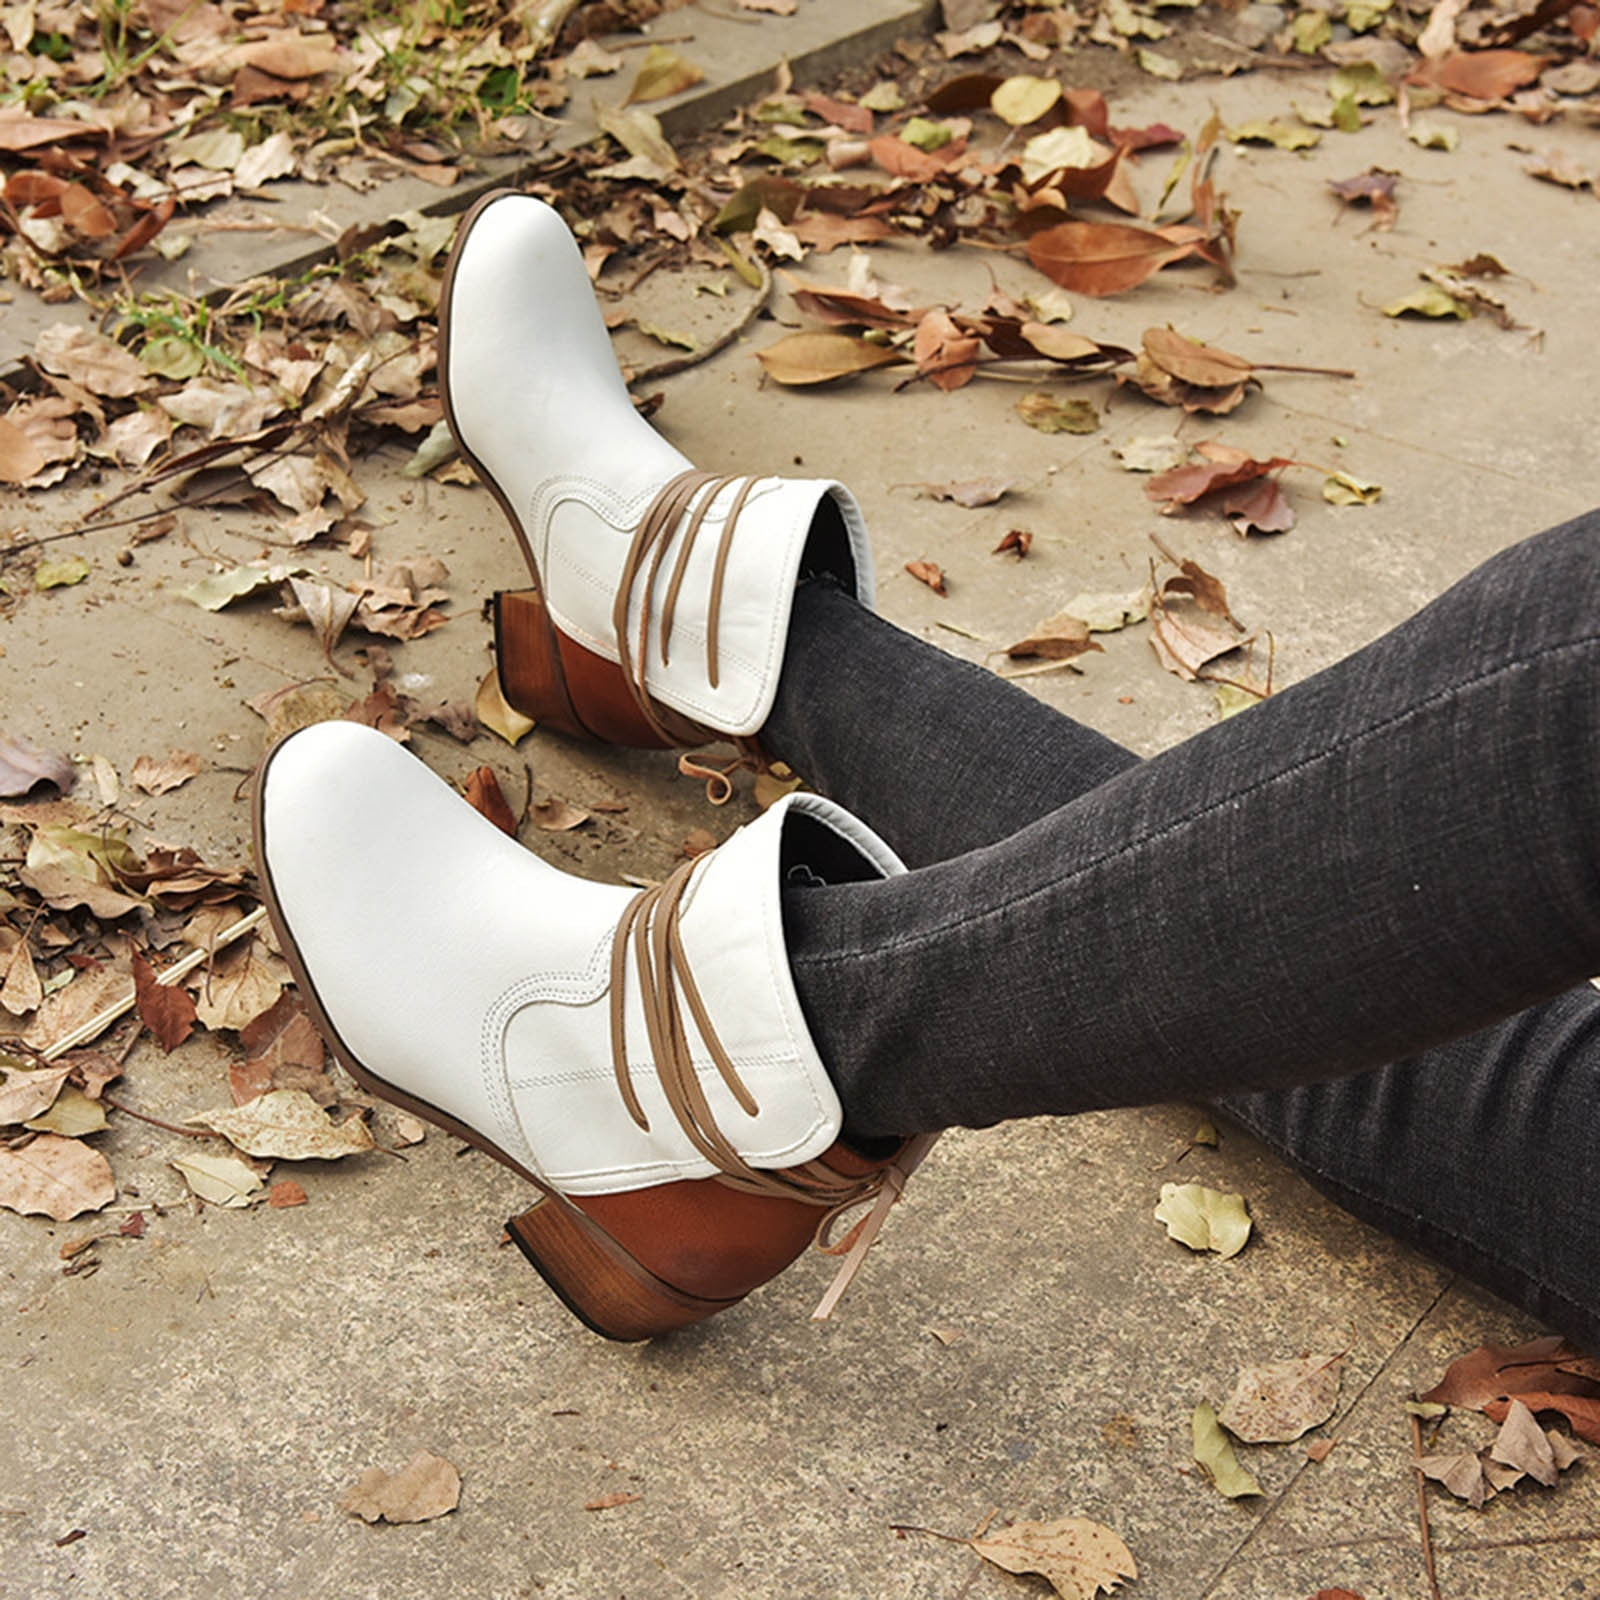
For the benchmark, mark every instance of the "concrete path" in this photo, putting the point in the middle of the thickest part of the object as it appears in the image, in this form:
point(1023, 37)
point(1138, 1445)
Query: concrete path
point(198, 1404)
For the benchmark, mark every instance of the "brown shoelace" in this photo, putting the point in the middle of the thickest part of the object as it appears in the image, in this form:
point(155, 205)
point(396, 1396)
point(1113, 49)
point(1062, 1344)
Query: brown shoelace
point(640, 568)
point(649, 932)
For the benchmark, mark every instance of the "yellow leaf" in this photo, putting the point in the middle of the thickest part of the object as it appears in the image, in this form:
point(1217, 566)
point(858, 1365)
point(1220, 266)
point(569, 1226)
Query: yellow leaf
point(805, 358)
point(662, 74)
point(1215, 1455)
point(1024, 99)
point(1204, 1219)
point(498, 716)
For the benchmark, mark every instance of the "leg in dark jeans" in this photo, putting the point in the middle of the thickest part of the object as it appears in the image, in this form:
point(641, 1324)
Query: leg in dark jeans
point(1381, 860)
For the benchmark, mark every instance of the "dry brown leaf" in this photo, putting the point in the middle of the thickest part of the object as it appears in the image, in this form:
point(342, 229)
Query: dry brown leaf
point(23, 768)
point(946, 355)
point(1191, 361)
point(20, 458)
point(1101, 258)
point(662, 74)
point(25, 1093)
point(86, 997)
point(56, 1177)
point(287, 1125)
point(1057, 638)
point(1080, 1559)
point(930, 573)
point(427, 1486)
point(807, 358)
point(241, 983)
point(1481, 74)
point(21, 990)
point(1549, 1366)
point(1018, 541)
point(484, 795)
point(285, 1193)
point(159, 776)
point(101, 365)
point(1224, 467)
point(557, 816)
point(283, 1050)
point(1581, 1411)
point(167, 1010)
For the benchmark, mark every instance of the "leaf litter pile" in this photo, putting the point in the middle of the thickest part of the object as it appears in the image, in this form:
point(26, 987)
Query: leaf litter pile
point(126, 129)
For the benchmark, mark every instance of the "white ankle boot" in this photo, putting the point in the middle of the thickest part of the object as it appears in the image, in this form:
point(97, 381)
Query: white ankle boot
point(642, 1059)
point(662, 596)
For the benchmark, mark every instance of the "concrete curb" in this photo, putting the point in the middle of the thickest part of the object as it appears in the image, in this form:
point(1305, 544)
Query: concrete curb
point(739, 55)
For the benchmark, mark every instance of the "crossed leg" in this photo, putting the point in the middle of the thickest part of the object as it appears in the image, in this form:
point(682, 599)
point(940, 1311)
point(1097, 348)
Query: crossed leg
point(1355, 916)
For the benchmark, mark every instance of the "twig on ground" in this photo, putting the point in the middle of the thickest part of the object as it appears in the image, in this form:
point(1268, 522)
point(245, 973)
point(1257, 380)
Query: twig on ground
point(1422, 1510)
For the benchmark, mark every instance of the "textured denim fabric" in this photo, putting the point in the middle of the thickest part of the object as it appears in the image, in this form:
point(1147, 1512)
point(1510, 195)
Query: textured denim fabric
point(1383, 867)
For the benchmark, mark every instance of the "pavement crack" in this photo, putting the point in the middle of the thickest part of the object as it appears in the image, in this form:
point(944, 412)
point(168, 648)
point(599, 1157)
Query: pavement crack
point(1266, 1518)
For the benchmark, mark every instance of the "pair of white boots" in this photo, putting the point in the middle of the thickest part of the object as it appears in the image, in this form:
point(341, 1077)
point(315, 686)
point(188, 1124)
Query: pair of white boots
point(642, 1059)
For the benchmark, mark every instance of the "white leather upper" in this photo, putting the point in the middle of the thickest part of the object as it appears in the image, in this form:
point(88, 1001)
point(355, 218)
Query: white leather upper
point(538, 401)
point(464, 971)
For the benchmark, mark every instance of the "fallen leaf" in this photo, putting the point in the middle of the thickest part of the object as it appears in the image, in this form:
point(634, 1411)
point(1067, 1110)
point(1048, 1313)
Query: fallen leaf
point(1433, 136)
point(158, 777)
point(287, 1125)
point(1285, 135)
point(239, 985)
point(1428, 301)
point(56, 1177)
point(1375, 188)
point(285, 1193)
point(1258, 507)
point(23, 767)
point(283, 1050)
point(1204, 1219)
point(101, 365)
point(930, 573)
point(773, 783)
point(1223, 468)
point(86, 998)
point(25, 1092)
point(1018, 541)
point(20, 457)
point(609, 1502)
point(1215, 1454)
point(557, 816)
point(662, 74)
point(807, 358)
point(1461, 1472)
point(484, 795)
point(1192, 361)
point(945, 355)
point(1581, 1411)
point(1320, 1449)
point(1278, 1401)
point(223, 1180)
point(1078, 1558)
point(327, 609)
point(969, 492)
point(1342, 489)
point(1024, 99)
point(1481, 74)
point(427, 1486)
point(1057, 638)
point(167, 1010)
point(1524, 1445)
point(60, 574)
point(1547, 1366)
point(1101, 258)
point(1051, 415)
point(1150, 453)
point(1107, 613)
point(73, 1115)
point(496, 714)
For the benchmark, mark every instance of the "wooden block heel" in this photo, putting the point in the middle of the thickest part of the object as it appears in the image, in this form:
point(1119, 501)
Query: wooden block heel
point(604, 1287)
point(558, 683)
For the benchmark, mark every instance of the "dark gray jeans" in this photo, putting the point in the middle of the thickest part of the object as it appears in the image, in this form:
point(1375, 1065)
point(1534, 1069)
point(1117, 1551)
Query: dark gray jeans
point(1358, 916)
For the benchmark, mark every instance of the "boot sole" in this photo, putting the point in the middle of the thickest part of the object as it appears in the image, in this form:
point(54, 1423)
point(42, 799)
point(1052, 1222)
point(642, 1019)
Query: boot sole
point(593, 1275)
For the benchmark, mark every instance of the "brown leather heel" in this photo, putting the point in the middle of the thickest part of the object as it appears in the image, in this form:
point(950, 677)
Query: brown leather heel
point(597, 1280)
point(560, 684)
